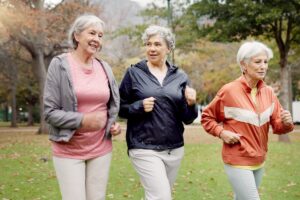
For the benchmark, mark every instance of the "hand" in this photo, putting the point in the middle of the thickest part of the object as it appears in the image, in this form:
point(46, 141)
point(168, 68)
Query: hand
point(230, 137)
point(115, 129)
point(148, 104)
point(190, 95)
point(286, 117)
point(93, 121)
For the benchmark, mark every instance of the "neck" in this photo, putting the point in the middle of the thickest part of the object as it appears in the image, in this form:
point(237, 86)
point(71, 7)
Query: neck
point(251, 82)
point(160, 66)
point(82, 57)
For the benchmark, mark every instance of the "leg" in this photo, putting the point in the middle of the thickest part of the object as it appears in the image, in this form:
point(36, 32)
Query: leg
point(172, 161)
point(152, 172)
point(243, 183)
point(258, 174)
point(71, 177)
point(97, 172)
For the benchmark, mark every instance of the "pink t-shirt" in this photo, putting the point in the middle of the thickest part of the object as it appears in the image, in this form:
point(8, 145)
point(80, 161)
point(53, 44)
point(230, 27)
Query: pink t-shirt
point(92, 92)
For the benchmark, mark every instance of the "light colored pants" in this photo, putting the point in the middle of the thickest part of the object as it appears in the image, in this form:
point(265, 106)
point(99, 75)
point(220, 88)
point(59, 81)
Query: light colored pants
point(245, 183)
point(82, 179)
point(157, 170)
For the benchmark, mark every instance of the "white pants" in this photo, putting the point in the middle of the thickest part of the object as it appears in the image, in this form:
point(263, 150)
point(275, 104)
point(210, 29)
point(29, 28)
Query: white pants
point(157, 170)
point(244, 182)
point(83, 179)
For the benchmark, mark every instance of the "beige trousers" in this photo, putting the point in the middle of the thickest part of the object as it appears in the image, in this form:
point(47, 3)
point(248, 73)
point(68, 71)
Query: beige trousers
point(157, 170)
point(82, 179)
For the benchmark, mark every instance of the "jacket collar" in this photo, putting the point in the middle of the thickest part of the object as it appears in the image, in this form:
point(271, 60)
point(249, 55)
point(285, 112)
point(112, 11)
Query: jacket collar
point(245, 85)
point(143, 66)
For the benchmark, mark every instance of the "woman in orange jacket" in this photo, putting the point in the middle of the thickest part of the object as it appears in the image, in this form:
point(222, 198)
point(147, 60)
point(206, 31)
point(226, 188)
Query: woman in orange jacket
point(241, 114)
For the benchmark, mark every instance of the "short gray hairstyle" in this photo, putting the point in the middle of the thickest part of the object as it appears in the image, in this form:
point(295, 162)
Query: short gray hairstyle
point(250, 49)
point(80, 24)
point(164, 32)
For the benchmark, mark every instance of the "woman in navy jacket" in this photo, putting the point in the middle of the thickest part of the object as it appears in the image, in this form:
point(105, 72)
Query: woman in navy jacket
point(156, 100)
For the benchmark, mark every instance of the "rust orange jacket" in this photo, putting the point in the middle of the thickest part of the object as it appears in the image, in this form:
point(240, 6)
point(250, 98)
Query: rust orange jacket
point(233, 109)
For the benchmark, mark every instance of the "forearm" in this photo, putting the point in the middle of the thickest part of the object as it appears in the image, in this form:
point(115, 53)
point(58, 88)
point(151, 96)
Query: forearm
point(64, 119)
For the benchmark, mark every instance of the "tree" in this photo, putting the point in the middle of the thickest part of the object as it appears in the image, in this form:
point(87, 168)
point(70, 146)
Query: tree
point(9, 74)
point(235, 20)
point(41, 31)
point(210, 65)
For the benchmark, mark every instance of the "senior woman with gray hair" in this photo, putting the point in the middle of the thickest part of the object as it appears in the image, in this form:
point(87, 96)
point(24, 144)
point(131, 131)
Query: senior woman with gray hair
point(156, 100)
point(81, 103)
point(241, 114)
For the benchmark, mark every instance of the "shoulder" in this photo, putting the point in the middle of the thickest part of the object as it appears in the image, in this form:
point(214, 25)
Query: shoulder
point(181, 72)
point(137, 68)
point(107, 68)
point(268, 90)
point(178, 71)
point(57, 60)
point(231, 87)
point(60, 58)
point(103, 63)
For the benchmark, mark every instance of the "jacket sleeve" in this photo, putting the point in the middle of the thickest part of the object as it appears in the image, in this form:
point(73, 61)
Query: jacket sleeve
point(276, 123)
point(129, 107)
point(190, 113)
point(212, 116)
point(53, 112)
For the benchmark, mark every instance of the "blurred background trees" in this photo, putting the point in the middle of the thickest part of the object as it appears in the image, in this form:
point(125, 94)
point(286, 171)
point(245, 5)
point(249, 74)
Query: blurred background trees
point(208, 34)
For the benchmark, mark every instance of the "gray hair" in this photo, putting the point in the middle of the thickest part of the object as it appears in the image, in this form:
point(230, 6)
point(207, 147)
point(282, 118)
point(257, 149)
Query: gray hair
point(164, 32)
point(80, 24)
point(250, 49)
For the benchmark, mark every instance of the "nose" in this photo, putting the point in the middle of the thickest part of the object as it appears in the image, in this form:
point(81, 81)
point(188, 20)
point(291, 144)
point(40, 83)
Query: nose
point(151, 47)
point(96, 38)
point(264, 65)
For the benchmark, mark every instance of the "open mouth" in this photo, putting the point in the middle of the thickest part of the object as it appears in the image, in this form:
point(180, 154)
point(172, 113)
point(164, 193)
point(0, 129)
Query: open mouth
point(93, 45)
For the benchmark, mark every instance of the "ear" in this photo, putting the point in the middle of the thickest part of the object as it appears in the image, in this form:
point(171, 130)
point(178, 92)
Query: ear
point(169, 50)
point(243, 66)
point(76, 35)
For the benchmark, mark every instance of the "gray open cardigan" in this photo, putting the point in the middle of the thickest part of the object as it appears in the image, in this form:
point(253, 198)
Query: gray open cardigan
point(60, 102)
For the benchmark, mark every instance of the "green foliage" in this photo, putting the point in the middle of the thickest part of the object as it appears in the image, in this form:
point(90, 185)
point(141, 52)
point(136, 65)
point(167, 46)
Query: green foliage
point(209, 65)
point(237, 19)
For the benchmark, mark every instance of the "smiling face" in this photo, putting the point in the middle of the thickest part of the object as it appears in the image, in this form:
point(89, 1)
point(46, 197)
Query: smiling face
point(157, 50)
point(256, 67)
point(90, 39)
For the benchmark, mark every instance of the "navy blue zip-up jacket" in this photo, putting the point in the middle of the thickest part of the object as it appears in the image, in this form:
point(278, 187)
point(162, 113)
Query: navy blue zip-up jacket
point(162, 128)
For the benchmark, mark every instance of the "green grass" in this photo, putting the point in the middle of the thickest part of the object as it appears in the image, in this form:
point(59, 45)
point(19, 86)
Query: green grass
point(24, 175)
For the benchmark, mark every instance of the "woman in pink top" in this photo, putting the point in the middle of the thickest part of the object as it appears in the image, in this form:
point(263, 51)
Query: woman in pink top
point(81, 102)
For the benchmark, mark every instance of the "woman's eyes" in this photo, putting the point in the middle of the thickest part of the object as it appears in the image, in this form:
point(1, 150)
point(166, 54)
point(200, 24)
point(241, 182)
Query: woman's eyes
point(95, 33)
point(261, 61)
point(154, 44)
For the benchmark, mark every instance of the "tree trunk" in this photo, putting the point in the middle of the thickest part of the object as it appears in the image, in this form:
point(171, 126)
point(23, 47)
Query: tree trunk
point(13, 105)
point(41, 73)
point(6, 115)
point(30, 115)
point(284, 96)
point(14, 81)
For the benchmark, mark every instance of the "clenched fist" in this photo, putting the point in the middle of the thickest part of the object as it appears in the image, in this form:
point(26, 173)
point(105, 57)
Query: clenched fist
point(190, 95)
point(115, 129)
point(148, 104)
point(286, 117)
point(93, 121)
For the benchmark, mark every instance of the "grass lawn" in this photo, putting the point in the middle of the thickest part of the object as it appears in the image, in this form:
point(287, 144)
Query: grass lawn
point(26, 170)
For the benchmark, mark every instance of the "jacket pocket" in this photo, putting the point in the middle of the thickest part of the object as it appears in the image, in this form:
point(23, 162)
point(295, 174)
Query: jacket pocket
point(246, 149)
